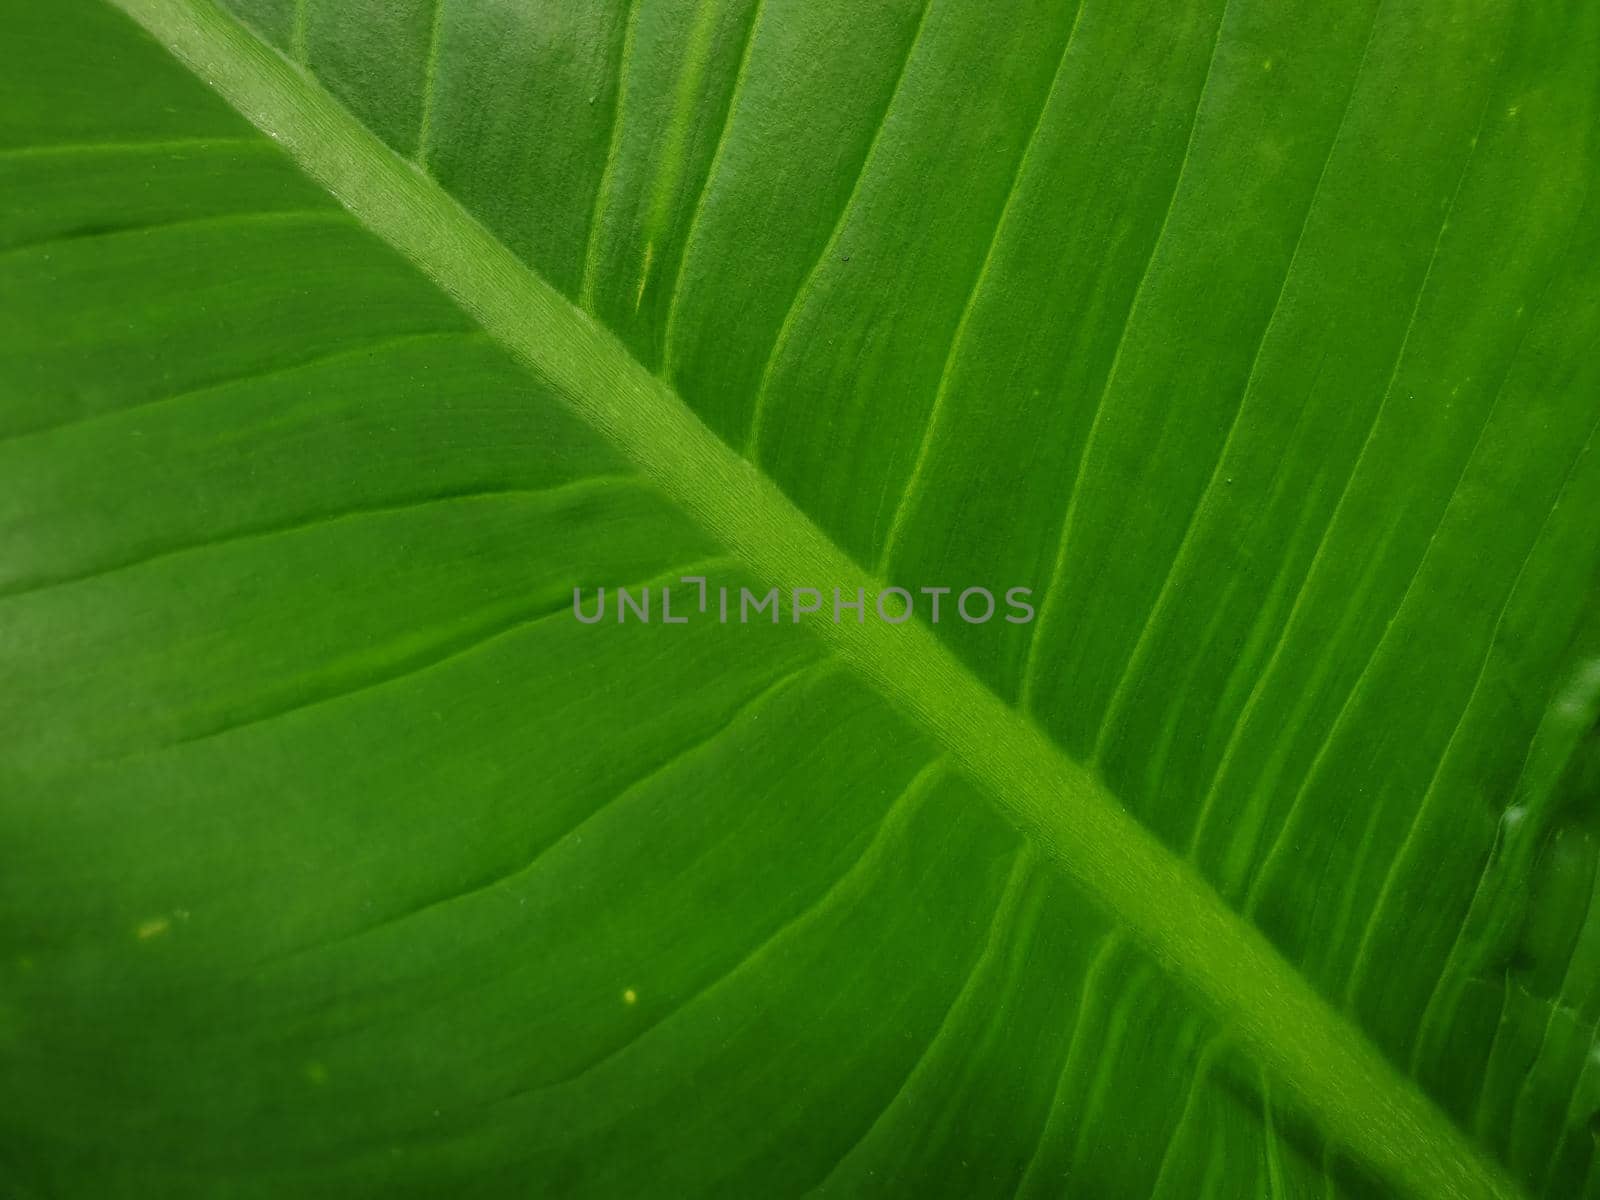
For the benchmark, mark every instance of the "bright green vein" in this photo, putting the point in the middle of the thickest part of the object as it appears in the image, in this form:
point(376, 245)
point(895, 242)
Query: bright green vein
point(1358, 1097)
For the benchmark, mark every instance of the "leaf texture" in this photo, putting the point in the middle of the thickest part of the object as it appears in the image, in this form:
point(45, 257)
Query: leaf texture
point(1257, 338)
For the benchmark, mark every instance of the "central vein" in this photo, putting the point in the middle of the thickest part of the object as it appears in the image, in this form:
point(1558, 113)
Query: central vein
point(1361, 1101)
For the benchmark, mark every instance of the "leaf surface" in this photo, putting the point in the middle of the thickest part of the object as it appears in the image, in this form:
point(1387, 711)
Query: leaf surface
point(1255, 338)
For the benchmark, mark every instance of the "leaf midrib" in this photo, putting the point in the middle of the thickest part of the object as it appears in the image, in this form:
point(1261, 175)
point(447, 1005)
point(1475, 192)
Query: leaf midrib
point(1360, 1099)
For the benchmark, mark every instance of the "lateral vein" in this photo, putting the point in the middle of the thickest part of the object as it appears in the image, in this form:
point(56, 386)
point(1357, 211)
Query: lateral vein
point(1359, 1097)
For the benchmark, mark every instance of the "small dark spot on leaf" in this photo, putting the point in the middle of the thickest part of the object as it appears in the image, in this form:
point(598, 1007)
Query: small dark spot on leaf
point(1520, 961)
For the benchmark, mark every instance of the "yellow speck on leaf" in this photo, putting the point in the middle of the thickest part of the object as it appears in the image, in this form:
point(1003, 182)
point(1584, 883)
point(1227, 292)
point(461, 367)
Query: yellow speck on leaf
point(630, 996)
point(317, 1073)
point(1266, 64)
point(644, 274)
point(154, 927)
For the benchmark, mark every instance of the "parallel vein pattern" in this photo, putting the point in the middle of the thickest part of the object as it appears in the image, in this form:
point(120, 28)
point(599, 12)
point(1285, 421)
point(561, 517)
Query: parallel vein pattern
point(1247, 334)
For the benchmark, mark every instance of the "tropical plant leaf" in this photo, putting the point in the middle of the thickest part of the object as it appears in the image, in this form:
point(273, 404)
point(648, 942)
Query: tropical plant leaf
point(342, 341)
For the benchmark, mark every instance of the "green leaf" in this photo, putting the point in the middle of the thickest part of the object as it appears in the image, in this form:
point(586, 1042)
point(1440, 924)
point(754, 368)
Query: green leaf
point(339, 343)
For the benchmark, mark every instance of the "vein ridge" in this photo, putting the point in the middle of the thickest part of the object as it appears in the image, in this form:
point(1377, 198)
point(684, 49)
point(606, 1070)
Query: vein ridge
point(1182, 923)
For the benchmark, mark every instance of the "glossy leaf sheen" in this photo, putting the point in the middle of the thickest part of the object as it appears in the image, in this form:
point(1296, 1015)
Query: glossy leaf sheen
point(1257, 338)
